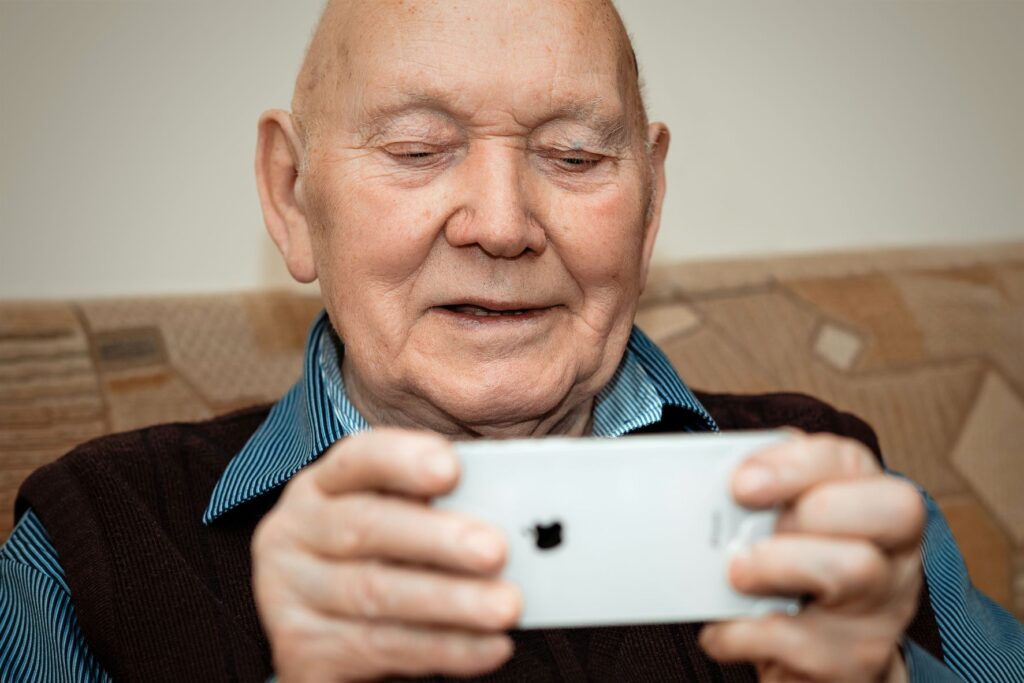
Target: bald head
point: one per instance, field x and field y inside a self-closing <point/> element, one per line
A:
<point x="353" y="31"/>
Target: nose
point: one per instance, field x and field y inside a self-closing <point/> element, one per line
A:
<point x="494" y="211"/>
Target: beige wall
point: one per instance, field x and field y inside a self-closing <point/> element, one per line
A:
<point x="127" y="131"/>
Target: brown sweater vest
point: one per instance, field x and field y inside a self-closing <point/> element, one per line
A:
<point x="161" y="597"/>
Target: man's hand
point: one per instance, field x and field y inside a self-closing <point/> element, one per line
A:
<point x="848" y="537"/>
<point x="355" y="576"/>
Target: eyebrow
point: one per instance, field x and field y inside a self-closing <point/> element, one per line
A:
<point x="611" y="130"/>
<point x="380" y="116"/>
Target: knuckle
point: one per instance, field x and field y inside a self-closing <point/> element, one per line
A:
<point x="910" y="506"/>
<point x="301" y="499"/>
<point x="854" y="459"/>
<point x="370" y="596"/>
<point x="345" y="456"/>
<point x="815" y="506"/>
<point x="813" y="445"/>
<point x="830" y="584"/>
<point x="355" y="516"/>
<point x="382" y="643"/>
<point x="351" y="540"/>
<point x="865" y="568"/>
<point x="377" y="647"/>
<point x="299" y="488"/>
<point x="358" y="507"/>
<point x="268" y="536"/>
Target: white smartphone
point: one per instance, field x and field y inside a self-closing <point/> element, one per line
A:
<point x="618" y="531"/>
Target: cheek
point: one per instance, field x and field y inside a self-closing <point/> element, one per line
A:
<point x="600" y="236"/>
<point x="370" y="243"/>
<point x="370" y="230"/>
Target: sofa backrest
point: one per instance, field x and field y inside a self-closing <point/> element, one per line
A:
<point x="926" y="345"/>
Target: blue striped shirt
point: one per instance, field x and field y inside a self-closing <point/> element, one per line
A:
<point x="40" y="638"/>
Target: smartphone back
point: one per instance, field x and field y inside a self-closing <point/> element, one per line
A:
<point x="618" y="531"/>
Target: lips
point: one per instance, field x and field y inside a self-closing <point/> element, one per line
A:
<point x="470" y="309"/>
<point x="489" y="309"/>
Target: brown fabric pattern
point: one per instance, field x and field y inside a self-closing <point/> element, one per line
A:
<point x="924" y="344"/>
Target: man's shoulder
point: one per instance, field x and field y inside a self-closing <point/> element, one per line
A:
<point x="146" y="454"/>
<point x="786" y="409"/>
<point x="227" y="432"/>
<point x="124" y="516"/>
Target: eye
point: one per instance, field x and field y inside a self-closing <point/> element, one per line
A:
<point x="415" y="154"/>
<point x="576" y="161"/>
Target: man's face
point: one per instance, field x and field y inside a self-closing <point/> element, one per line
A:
<point x="478" y="191"/>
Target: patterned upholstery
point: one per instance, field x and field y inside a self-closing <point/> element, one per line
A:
<point x="926" y="345"/>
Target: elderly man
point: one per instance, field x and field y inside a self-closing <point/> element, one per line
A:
<point x="477" y="190"/>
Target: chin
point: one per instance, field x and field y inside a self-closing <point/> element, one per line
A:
<point x="501" y="397"/>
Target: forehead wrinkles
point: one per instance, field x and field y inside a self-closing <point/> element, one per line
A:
<point x="576" y="46"/>
<point x="524" y="84"/>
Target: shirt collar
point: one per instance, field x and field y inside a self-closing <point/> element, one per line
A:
<point x="316" y="412"/>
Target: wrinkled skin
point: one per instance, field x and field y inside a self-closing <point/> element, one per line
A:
<point x="478" y="154"/>
<point x="442" y="158"/>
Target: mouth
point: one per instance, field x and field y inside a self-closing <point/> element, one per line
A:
<point x="480" y="311"/>
<point x="493" y="311"/>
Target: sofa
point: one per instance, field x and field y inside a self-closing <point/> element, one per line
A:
<point x="927" y="345"/>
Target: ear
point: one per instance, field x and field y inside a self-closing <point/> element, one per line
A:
<point x="657" y="142"/>
<point x="278" y="159"/>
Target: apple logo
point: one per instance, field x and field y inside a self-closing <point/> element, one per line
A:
<point x="547" y="536"/>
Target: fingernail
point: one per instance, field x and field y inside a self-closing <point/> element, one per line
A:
<point x="753" y="478"/>
<point x="441" y="466"/>
<point x="502" y="604"/>
<point x="484" y="545"/>
<point x="740" y="560"/>
<point x="739" y="565"/>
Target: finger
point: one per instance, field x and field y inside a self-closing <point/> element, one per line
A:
<point x="414" y="651"/>
<point x="767" y="638"/>
<point x="883" y="509"/>
<point x="834" y="571"/>
<point x="781" y="472"/>
<point x="310" y="646"/>
<point x="392" y="593"/>
<point x="371" y="525"/>
<point x="814" y="644"/>
<point x="400" y="461"/>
